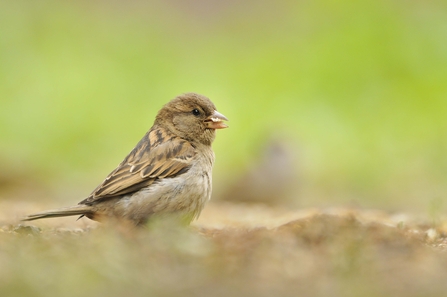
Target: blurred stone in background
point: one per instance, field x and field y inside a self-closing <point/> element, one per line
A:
<point x="270" y="178"/>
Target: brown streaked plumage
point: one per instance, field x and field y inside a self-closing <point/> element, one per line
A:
<point x="168" y="172"/>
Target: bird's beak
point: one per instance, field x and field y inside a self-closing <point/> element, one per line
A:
<point x="215" y="121"/>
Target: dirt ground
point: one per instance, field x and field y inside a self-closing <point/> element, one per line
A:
<point x="232" y="250"/>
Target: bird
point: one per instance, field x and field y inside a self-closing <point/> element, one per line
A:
<point x="169" y="172"/>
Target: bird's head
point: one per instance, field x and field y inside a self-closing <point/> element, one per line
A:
<point x="192" y="117"/>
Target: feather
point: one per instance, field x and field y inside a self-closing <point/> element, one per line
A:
<point x="61" y="212"/>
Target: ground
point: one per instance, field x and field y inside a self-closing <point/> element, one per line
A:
<point x="232" y="250"/>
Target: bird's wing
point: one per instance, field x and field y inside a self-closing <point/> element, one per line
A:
<point x="157" y="155"/>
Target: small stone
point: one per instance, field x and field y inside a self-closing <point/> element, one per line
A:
<point x="432" y="234"/>
<point x="7" y="228"/>
<point x="22" y="229"/>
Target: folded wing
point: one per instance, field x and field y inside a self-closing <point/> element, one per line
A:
<point x="158" y="155"/>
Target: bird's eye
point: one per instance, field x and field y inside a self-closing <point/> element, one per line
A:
<point x="196" y="112"/>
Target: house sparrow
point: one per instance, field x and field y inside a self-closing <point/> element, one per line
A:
<point x="168" y="172"/>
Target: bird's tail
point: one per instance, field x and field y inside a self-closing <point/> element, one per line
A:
<point x="61" y="212"/>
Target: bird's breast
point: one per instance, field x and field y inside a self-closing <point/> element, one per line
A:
<point x="185" y="194"/>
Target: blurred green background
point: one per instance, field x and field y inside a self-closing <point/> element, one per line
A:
<point x="356" y="89"/>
